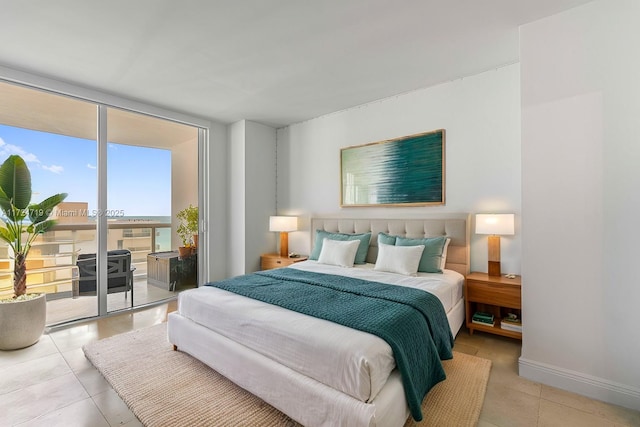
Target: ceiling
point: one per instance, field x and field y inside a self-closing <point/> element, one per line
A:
<point x="276" y="62"/>
<point x="46" y="112"/>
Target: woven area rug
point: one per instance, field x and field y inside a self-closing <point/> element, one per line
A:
<point x="170" y="388"/>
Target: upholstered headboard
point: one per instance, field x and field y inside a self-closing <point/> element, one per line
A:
<point x="455" y="226"/>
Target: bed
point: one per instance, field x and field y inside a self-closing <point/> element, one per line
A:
<point x="318" y="372"/>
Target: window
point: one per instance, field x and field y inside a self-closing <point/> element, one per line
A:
<point x="151" y="170"/>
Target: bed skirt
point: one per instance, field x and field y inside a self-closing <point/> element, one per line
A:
<point x="304" y="399"/>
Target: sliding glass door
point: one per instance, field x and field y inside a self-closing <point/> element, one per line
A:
<point x="152" y="173"/>
<point x="127" y="174"/>
<point x="55" y="135"/>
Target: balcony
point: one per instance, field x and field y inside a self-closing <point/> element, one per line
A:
<point x="52" y="261"/>
<point x="61" y="133"/>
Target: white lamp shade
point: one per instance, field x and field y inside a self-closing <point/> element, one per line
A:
<point x="497" y="224"/>
<point x="283" y="223"/>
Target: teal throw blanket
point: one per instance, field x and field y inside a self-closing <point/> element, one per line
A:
<point x="411" y="321"/>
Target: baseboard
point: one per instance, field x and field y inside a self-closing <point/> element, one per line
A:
<point x="580" y="383"/>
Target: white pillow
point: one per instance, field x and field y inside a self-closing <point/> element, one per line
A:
<point x="399" y="259"/>
<point x="338" y="252"/>
<point x="444" y="253"/>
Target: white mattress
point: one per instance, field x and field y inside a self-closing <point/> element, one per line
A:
<point x="351" y="361"/>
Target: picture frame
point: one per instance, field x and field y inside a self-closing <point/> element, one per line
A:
<point x="404" y="171"/>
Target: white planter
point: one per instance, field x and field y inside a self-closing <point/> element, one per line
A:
<point x="22" y="322"/>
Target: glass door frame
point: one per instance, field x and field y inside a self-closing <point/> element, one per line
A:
<point x="102" y="227"/>
<point x="103" y="101"/>
<point x="101" y="220"/>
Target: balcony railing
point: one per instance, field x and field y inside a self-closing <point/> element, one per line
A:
<point x="52" y="258"/>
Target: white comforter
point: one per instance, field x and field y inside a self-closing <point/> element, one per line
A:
<point x="354" y="362"/>
<point x="446" y="286"/>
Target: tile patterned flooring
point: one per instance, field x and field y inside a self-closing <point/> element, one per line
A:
<point x="69" y="309"/>
<point x="52" y="384"/>
<point x="513" y="401"/>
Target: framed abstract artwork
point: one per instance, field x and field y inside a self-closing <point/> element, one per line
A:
<point x="405" y="171"/>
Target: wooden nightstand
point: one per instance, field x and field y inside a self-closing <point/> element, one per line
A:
<point x="492" y="294"/>
<point x="269" y="261"/>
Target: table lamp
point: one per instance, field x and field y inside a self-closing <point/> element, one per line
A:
<point x="495" y="225"/>
<point x="283" y="224"/>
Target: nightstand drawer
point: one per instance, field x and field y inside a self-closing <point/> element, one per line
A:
<point x="269" y="261"/>
<point x="494" y="293"/>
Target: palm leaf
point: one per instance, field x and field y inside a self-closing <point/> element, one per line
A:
<point x="15" y="199"/>
<point x="7" y="236"/>
<point x="15" y="181"/>
<point x="40" y="211"/>
<point x="10" y="211"/>
<point x="5" y="204"/>
<point x="41" y="227"/>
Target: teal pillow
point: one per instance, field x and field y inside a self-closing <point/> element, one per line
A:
<point x="432" y="254"/>
<point x="386" y="239"/>
<point x="363" y="247"/>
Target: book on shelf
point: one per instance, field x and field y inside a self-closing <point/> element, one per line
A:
<point x="510" y="326"/>
<point x="512" y="318"/>
<point x="483" y="317"/>
<point x="482" y="322"/>
<point x="481" y="314"/>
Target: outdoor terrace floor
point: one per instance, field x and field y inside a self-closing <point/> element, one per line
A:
<point x="84" y="307"/>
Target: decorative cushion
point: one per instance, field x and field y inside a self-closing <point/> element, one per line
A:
<point x="337" y="252"/>
<point x="431" y="259"/>
<point x="361" y="254"/>
<point x="386" y="239"/>
<point x="399" y="259"/>
<point x="444" y="253"/>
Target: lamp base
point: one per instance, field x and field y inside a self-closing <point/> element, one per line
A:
<point x="284" y="244"/>
<point x="494" y="255"/>
<point x="494" y="268"/>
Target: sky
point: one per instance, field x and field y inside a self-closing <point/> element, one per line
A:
<point x="138" y="178"/>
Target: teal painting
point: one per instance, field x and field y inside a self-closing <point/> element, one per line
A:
<point x="405" y="171"/>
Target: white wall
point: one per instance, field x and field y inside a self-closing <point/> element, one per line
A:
<point x="215" y="200"/>
<point x="580" y="156"/>
<point x="236" y="204"/>
<point x="481" y="116"/>
<point x="252" y="194"/>
<point x="260" y="192"/>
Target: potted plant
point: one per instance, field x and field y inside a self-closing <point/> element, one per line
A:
<point x="188" y="229"/>
<point x="23" y="316"/>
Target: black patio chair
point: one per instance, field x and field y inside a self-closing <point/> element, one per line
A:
<point x="119" y="273"/>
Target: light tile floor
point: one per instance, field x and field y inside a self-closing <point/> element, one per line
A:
<point x="513" y="401"/>
<point x="69" y="309"/>
<point x="52" y="384"/>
